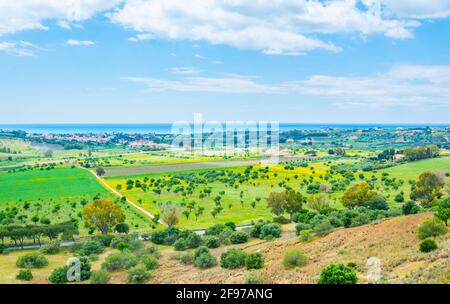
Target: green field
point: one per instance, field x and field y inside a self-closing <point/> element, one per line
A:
<point x="63" y="183"/>
<point x="413" y="170"/>
<point x="245" y="213"/>
<point x="57" y="194"/>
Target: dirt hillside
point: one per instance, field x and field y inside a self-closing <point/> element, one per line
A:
<point x="392" y="241"/>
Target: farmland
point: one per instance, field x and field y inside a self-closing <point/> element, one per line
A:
<point x="56" y="194"/>
<point x="203" y="191"/>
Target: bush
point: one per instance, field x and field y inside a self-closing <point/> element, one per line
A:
<point x="306" y="235"/>
<point x="431" y="228"/>
<point x="150" y="263"/>
<point x="100" y="277"/>
<point x="85" y="267"/>
<point x="377" y="203"/>
<point x="51" y="248"/>
<point x="180" y="245"/>
<point x="32" y="260"/>
<point x="323" y="228"/>
<point x="233" y="258"/>
<point x="359" y="220"/>
<point x="231" y="225"/>
<point x="212" y="242"/>
<point x="302" y="226"/>
<point x="104" y="240"/>
<point x="239" y="237"/>
<point x="254" y="261"/>
<point x="410" y="208"/>
<point x="428" y="245"/>
<point x="254" y="277"/>
<point x="138" y="275"/>
<point x="24" y="275"/>
<point x="205" y="260"/>
<point x="337" y="274"/>
<point x="122" y="246"/>
<point x="88" y="248"/>
<point x="187" y="258"/>
<point x="270" y="231"/>
<point x="281" y="220"/>
<point x="119" y="261"/>
<point x="194" y="240"/>
<point x="294" y="258"/>
<point x="59" y="275"/>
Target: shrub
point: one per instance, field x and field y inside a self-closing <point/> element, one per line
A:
<point x="294" y="258"/>
<point x="254" y="277"/>
<point x="302" y="226"/>
<point x="138" y="275"/>
<point x="194" y="240"/>
<point x="377" y="203"/>
<point x="337" y="274"/>
<point x="231" y="225"/>
<point x="254" y="261"/>
<point x="59" y="275"/>
<point x="32" y="260"/>
<point x="323" y="228"/>
<point x="205" y="260"/>
<point x="180" y="245"/>
<point x="431" y="228"/>
<point x="239" y="237"/>
<point x="233" y="258"/>
<point x="119" y="261"/>
<point x="281" y="220"/>
<point x="187" y="258"/>
<point x="122" y="246"/>
<point x="200" y="250"/>
<point x="150" y="263"/>
<point x="88" y="248"/>
<point x="306" y="235"/>
<point x="24" y="275"/>
<point x="359" y="220"/>
<point x="100" y="277"/>
<point x="212" y="242"/>
<point x="105" y="240"/>
<point x="428" y="245"/>
<point x="410" y="208"/>
<point x="85" y="267"/>
<point x="51" y="248"/>
<point x="270" y="231"/>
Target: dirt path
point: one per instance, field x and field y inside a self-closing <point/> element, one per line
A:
<point x="117" y="193"/>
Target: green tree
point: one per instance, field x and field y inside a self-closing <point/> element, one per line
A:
<point x="443" y="212"/>
<point x="428" y="187"/>
<point x="102" y="215"/>
<point x="318" y="202"/>
<point x="357" y="195"/>
<point x="431" y="228"/>
<point x="337" y="274"/>
<point x="170" y="214"/>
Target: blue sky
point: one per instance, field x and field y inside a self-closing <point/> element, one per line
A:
<point x="147" y="61"/>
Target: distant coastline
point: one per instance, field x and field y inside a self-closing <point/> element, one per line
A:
<point x="164" y="128"/>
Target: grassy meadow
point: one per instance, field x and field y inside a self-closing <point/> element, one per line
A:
<point x="57" y="195"/>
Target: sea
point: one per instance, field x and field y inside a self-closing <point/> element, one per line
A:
<point x="165" y="128"/>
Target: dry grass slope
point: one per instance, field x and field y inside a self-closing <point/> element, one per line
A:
<point x="393" y="241"/>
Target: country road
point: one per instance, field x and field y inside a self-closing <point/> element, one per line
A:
<point x="117" y="193"/>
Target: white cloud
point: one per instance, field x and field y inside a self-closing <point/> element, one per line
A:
<point x="185" y="70"/>
<point x="17" y="16"/>
<point x="204" y="84"/>
<point x="20" y="48"/>
<point x="403" y="85"/>
<point x="418" y="9"/>
<point x="274" y="27"/>
<point x="73" y="42"/>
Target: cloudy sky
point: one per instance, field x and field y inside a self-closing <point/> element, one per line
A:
<point x="146" y="61"/>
